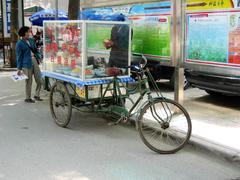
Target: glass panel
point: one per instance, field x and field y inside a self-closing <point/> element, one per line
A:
<point x="63" y="47"/>
<point x="107" y="50"/>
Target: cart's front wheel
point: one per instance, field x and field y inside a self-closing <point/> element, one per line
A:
<point x="60" y="104"/>
<point x="164" y="126"/>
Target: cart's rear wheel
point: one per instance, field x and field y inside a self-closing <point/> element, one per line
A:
<point x="60" y="104"/>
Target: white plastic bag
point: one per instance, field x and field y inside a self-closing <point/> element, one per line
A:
<point x="16" y="77"/>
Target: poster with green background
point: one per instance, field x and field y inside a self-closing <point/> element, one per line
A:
<point x="151" y="36"/>
<point x="96" y="34"/>
<point x="151" y="24"/>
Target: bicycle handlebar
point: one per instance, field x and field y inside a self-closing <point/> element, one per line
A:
<point x="145" y="60"/>
<point x="142" y="63"/>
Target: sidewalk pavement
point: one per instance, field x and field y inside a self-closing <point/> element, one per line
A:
<point x="7" y="69"/>
<point x="215" y="123"/>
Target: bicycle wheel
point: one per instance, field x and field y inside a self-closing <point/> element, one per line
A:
<point x="60" y="104"/>
<point x="164" y="126"/>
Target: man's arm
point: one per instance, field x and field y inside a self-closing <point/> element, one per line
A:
<point x="114" y="34"/>
<point x="19" y="57"/>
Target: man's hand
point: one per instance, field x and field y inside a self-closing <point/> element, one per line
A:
<point x="19" y="72"/>
<point x="108" y="43"/>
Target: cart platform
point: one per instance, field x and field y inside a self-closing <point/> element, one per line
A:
<point x="79" y="83"/>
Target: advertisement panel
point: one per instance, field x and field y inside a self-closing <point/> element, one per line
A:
<point x="214" y="38"/>
<point x="96" y="36"/>
<point x="6" y="17"/>
<point x="152" y="36"/>
<point x="212" y="4"/>
<point x="151" y="29"/>
<point x="234" y="39"/>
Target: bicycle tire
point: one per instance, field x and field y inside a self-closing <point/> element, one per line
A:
<point x="177" y="133"/>
<point x="60" y="104"/>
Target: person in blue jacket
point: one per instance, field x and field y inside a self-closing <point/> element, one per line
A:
<point x="27" y="63"/>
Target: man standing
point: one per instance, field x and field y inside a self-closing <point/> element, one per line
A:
<point x="119" y="44"/>
<point x="27" y="63"/>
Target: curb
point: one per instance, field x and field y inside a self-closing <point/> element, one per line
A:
<point x="7" y="69"/>
<point x="221" y="151"/>
<point x="224" y="152"/>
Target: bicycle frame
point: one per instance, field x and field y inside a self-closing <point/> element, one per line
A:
<point x="142" y="81"/>
<point x="142" y="87"/>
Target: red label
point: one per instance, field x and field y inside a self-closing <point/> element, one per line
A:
<point x="59" y="60"/>
<point x="66" y="61"/>
<point x="48" y="47"/>
<point x="52" y="59"/>
<point x="71" y="49"/>
<point x="73" y="63"/>
<point x="64" y="47"/>
<point x="88" y="71"/>
<point x="162" y="20"/>
<point x="54" y="46"/>
<point x="77" y="53"/>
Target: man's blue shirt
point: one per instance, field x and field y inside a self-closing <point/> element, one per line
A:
<point x="23" y="54"/>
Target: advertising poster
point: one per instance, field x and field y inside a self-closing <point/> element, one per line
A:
<point x="152" y="36"/>
<point x="207" y="37"/>
<point x="214" y="38"/>
<point x="234" y="39"/>
<point x="8" y="15"/>
<point x="96" y="34"/>
<point x="151" y="29"/>
<point x="6" y="7"/>
<point x="212" y="4"/>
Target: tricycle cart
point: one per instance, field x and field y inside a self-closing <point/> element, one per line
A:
<point x="78" y="60"/>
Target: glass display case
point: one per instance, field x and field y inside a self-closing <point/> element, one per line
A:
<point x="87" y="50"/>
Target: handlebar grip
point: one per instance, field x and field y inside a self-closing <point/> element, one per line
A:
<point x="145" y="60"/>
<point x="127" y="67"/>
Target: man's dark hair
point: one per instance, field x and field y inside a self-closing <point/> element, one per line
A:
<point x="23" y="30"/>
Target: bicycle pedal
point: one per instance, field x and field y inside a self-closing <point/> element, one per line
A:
<point x="115" y="123"/>
<point x="125" y="120"/>
<point x="111" y="124"/>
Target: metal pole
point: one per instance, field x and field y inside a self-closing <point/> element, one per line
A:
<point x="2" y="25"/>
<point x="56" y="7"/>
<point x="20" y="13"/>
<point x="178" y="10"/>
<point x="23" y="21"/>
<point x="4" y="61"/>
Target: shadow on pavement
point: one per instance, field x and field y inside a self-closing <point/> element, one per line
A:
<point x="223" y="101"/>
<point x="164" y="87"/>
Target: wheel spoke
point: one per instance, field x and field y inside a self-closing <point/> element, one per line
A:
<point x="165" y="126"/>
<point x="60" y="104"/>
